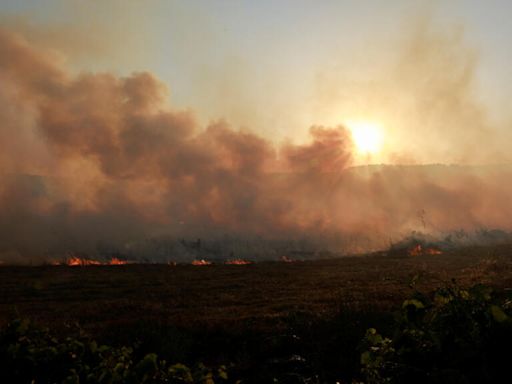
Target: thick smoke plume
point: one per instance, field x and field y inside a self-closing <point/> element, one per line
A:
<point x="99" y="163"/>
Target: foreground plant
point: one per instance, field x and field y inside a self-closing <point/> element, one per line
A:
<point x="30" y="354"/>
<point x="458" y="336"/>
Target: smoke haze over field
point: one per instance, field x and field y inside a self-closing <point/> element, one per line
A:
<point x="90" y="159"/>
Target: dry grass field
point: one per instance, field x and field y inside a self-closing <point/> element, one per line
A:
<point x="219" y="294"/>
<point x="243" y="314"/>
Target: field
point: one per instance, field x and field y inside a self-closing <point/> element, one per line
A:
<point x="246" y="315"/>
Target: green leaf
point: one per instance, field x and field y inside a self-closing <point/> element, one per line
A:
<point x="221" y="372"/>
<point x="498" y="314"/>
<point x="365" y="357"/>
<point x="181" y="372"/>
<point x="413" y="302"/>
<point x="148" y="365"/>
<point x="373" y="337"/>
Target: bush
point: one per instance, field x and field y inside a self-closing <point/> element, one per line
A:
<point x="458" y="336"/>
<point x="29" y="354"/>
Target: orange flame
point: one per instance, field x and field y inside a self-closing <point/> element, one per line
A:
<point x="238" y="262"/>
<point x="416" y="250"/>
<point x="201" y="262"/>
<point x="419" y="250"/>
<point x="75" y="261"/>
<point x="116" y="261"/>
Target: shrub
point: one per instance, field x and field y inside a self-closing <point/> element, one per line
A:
<point x="458" y="336"/>
<point x="30" y="354"/>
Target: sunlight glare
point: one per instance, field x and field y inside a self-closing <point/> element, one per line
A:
<point x="367" y="136"/>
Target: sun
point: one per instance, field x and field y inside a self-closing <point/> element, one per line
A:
<point x="367" y="136"/>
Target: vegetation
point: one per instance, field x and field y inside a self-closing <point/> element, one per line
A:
<point x="307" y="322"/>
<point x="458" y="336"/>
<point x="29" y="354"/>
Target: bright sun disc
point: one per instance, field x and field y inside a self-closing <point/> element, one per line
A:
<point x="367" y="136"/>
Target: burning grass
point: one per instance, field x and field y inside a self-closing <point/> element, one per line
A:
<point x="267" y="289"/>
<point x="75" y="261"/>
<point x="418" y="249"/>
<point x="286" y="259"/>
<point x="238" y="262"/>
<point x="201" y="262"/>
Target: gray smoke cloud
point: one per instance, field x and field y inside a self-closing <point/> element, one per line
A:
<point x="94" y="161"/>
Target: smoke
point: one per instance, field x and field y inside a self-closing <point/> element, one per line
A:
<point x="425" y="88"/>
<point x="95" y="161"/>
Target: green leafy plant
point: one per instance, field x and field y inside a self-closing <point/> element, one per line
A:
<point x="30" y="354"/>
<point x="457" y="336"/>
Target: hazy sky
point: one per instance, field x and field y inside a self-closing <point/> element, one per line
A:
<point x="278" y="67"/>
<point x="270" y="104"/>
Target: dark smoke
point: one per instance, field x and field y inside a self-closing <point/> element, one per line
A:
<point x="97" y="163"/>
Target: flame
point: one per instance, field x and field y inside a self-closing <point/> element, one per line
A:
<point x="201" y="262"/>
<point x="116" y="261"/>
<point x="286" y="259"/>
<point x="418" y="250"/>
<point x="433" y="251"/>
<point x="415" y="251"/>
<point x="75" y="261"/>
<point x="238" y="262"/>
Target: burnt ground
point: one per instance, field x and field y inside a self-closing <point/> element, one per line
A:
<point x="236" y="312"/>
